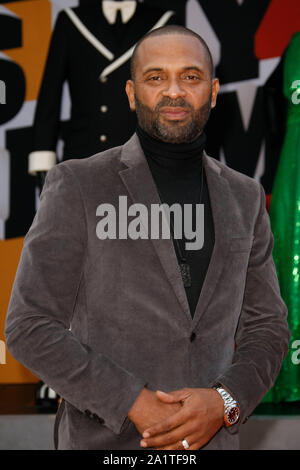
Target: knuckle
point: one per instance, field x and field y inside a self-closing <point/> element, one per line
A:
<point x="169" y="427"/>
<point x="169" y="440"/>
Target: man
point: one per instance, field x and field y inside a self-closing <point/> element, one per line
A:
<point x="132" y="331"/>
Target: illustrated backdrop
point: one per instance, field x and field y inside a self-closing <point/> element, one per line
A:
<point x="247" y="39"/>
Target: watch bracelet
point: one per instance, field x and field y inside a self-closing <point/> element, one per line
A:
<point x="228" y="400"/>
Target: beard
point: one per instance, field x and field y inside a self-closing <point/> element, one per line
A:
<point x="173" y="131"/>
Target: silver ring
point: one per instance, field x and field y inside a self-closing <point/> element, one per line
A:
<point x="185" y="444"/>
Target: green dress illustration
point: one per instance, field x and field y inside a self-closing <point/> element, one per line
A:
<point x="285" y="223"/>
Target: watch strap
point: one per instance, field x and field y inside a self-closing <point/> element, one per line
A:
<point x="231" y="407"/>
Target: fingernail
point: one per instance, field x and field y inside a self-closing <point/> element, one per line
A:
<point x="146" y="434"/>
<point x="143" y="444"/>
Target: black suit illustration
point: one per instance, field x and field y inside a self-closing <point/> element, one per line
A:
<point x="93" y="56"/>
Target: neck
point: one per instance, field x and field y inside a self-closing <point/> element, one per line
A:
<point x="185" y="159"/>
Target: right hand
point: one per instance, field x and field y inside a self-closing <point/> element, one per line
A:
<point x="148" y="410"/>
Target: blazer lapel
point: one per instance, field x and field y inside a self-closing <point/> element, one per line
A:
<point x="142" y="189"/>
<point x="221" y="206"/>
<point x="139" y="182"/>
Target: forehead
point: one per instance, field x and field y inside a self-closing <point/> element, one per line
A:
<point x="170" y="50"/>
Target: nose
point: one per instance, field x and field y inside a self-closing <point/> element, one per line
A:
<point x="173" y="89"/>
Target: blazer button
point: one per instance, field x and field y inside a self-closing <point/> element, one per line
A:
<point x="192" y="337"/>
<point x="97" y="418"/>
<point x="103" y="108"/>
<point x="103" y="138"/>
<point x="88" y="413"/>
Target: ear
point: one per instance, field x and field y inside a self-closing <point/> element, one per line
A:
<point x="130" y="94"/>
<point x="214" y="91"/>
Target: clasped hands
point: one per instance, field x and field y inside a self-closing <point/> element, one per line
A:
<point x="165" y="419"/>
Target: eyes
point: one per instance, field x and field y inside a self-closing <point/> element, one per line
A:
<point x="161" y="78"/>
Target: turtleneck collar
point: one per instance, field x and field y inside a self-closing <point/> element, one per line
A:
<point x="184" y="159"/>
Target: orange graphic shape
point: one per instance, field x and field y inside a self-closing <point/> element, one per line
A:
<point x="36" y="33"/>
<point x="10" y="251"/>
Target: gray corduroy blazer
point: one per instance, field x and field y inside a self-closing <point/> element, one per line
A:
<point x="97" y="320"/>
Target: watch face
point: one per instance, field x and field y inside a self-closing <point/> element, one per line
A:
<point x="233" y="415"/>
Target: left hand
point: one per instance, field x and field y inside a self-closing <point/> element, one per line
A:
<point x="197" y="421"/>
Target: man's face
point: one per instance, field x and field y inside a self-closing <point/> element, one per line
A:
<point x="172" y="92"/>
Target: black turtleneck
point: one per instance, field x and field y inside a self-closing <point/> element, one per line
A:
<point x="177" y="171"/>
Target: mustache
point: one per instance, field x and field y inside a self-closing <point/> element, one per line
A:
<point x="166" y="101"/>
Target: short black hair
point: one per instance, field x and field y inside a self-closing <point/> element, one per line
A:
<point x="169" y="30"/>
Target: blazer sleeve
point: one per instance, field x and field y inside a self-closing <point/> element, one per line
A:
<point x="47" y="112"/>
<point x="262" y="337"/>
<point x="40" y="310"/>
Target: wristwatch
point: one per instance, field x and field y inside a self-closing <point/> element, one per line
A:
<point x="231" y="407"/>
